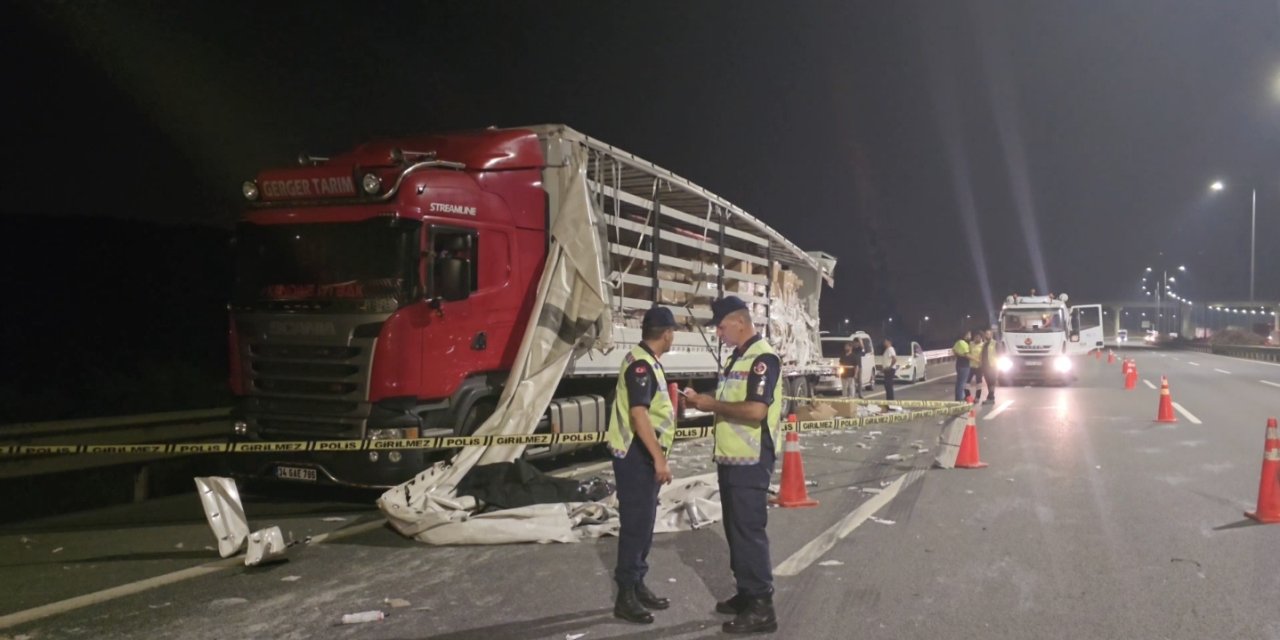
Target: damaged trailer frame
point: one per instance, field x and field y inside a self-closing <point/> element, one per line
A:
<point x="486" y="212"/>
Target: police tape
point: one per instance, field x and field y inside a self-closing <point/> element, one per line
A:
<point x="441" y="442"/>
<point x="870" y="402"/>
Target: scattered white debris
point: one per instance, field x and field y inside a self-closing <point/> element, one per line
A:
<point x="395" y="603"/>
<point x="58" y="550"/>
<point x="893" y="456"/>
<point x="1098" y="467"/>
<point x="159" y="606"/>
<point x="871" y="490"/>
<point x="227" y="602"/>
<point x="24" y="540"/>
<point x="810" y="483"/>
<point x="830" y="563"/>
<point x="363" y="616"/>
<point x="885" y="483"/>
<point x="209" y="548"/>
<point x="875" y="433"/>
<point x="697" y="560"/>
<point x="178" y="546"/>
<point x="573" y="636"/>
<point x="861" y="445"/>
<point x="671" y="579"/>
<point x="333" y="519"/>
<point x="1010" y="479"/>
<point x="969" y="491"/>
<point x="290" y="578"/>
<point x="837" y="449"/>
<point x="882" y="520"/>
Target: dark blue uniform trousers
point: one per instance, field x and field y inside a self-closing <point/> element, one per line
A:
<point x="744" y="495"/>
<point x="637" y="509"/>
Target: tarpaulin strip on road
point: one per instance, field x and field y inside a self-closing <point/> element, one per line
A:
<point x="457" y="442"/>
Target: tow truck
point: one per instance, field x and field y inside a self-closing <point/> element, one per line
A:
<point x="1040" y="337"/>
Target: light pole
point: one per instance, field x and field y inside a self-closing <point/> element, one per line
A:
<point x="920" y="325"/>
<point x="1219" y="185"/>
<point x="1161" y="292"/>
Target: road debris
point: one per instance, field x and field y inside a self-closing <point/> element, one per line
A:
<point x="266" y="545"/>
<point x="671" y="579"/>
<point x="363" y="616"/>
<point x="178" y="546"/>
<point x="882" y="520"/>
<point x="227" y="602"/>
<point x="573" y="636"/>
<point x="893" y="456"/>
<point x="333" y="519"/>
<point x="870" y="490"/>
<point x="861" y="445"/>
<point x="395" y="603"/>
<point x="159" y="606"/>
<point x="58" y="550"/>
<point x="830" y="563"/>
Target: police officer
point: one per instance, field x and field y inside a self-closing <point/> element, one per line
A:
<point x="641" y="430"/>
<point x="748" y="408"/>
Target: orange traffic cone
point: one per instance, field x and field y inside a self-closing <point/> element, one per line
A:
<point x="1124" y="365"/>
<point x="968" y="456"/>
<point x="1268" y="511"/>
<point x="1131" y="376"/>
<point x="1111" y="357"/>
<point x="1164" y="413"/>
<point x="793" y="492"/>
<point x="1097" y="355"/>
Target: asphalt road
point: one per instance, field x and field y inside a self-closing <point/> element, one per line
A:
<point x="1092" y="521"/>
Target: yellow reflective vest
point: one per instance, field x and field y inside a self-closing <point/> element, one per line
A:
<point x="738" y="443"/>
<point x="662" y="414"/>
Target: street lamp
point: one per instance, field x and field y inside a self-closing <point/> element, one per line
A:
<point x="1218" y="186"/>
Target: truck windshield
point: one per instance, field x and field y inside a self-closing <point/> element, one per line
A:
<point x="1047" y="320"/>
<point x="358" y="266"/>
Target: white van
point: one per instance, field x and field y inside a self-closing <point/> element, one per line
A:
<point x="1122" y="335"/>
<point x="833" y="347"/>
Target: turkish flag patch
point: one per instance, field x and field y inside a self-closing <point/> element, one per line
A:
<point x="641" y="369"/>
<point x="759" y="369"/>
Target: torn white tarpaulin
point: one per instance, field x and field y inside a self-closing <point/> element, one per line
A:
<point x="221" y="501"/>
<point x="571" y="315"/>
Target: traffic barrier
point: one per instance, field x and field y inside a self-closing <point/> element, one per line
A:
<point x="1111" y="356"/>
<point x="1131" y="376"/>
<point x="1164" y="413"/>
<point x="1268" y="511"/>
<point x="1097" y="355"/>
<point x="793" y="493"/>
<point x="968" y="457"/>
<point x="923" y="409"/>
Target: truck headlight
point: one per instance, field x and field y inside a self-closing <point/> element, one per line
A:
<point x="1062" y="364"/>
<point x="1004" y="364"/>
<point x="371" y="184"/>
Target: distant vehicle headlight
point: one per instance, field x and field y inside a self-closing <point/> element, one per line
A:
<point x="1004" y="364"/>
<point x="1062" y="364"/>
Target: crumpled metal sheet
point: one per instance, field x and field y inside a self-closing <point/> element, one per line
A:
<point x="222" y="508"/>
<point x="265" y="546"/>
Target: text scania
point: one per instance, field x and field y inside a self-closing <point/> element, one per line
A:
<point x="441" y="207"/>
<point x="303" y="187"/>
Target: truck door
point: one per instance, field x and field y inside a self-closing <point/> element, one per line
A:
<point x="1086" y="329"/>
<point x="457" y="341"/>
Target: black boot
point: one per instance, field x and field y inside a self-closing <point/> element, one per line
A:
<point x="757" y="617"/>
<point x="628" y="607"/>
<point x="649" y="599"/>
<point x="733" y="606"/>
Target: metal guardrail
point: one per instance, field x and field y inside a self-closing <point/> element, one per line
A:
<point x="939" y="355"/>
<point x="1265" y="354"/>
<point x="176" y="426"/>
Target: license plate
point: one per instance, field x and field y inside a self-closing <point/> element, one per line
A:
<point x="1034" y="363"/>
<point x="305" y="474"/>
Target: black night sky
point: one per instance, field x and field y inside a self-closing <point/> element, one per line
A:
<point x="942" y="150"/>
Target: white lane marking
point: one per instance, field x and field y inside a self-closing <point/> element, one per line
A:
<point x="1274" y="384"/>
<point x="98" y="597"/>
<point x="998" y="410"/>
<point x="1187" y="414"/>
<point x="1223" y="371"/>
<point x="810" y="552"/>
<point x="1148" y="383"/>
<point x="1194" y="364"/>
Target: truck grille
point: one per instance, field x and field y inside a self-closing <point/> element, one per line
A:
<point x="300" y="388"/>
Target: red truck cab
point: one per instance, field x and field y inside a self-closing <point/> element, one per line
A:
<point x="382" y="293"/>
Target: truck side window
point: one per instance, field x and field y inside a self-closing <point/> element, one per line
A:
<point x="454" y="263"/>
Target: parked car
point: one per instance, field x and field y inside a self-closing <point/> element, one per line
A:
<point x="911" y="364"/>
<point x="833" y="347"/>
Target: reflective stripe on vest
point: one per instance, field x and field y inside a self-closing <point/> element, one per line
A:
<point x="738" y="443"/>
<point x="661" y="414"/>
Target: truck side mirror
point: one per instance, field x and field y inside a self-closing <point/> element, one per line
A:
<point x="453" y="279"/>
